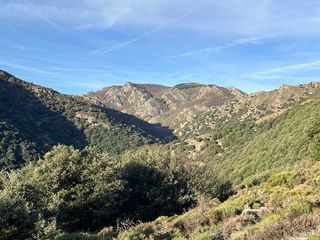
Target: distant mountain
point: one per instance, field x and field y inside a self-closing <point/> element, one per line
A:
<point x="258" y="107"/>
<point x="192" y="109"/>
<point x="34" y="118"/>
<point x="161" y="104"/>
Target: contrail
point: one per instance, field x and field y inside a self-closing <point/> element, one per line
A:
<point x="123" y="44"/>
<point x="100" y="51"/>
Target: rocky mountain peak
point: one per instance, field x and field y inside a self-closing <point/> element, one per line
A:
<point x="128" y="86"/>
<point x="284" y="87"/>
<point x="193" y="107"/>
<point x="237" y="92"/>
<point x="161" y="104"/>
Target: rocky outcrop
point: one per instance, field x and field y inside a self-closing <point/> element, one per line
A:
<point x="170" y="106"/>
<point x="193" y="109"/>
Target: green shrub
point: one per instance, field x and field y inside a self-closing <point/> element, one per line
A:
<point x="298" y="208"/>
<point x="77" y="236"/>
<point x="141" y="232"/>
<point x="177" y="235"/>
<point x="203" y="236"/>
<point x="256" y="205"/>
<point x="280" y="179"/>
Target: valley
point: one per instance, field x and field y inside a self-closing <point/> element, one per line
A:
<point x="144" y="161"/>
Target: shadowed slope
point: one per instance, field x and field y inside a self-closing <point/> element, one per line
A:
<point x="34" y="118"/>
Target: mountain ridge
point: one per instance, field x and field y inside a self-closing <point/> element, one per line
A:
<point x="33" y="119"/>
<point x="194" y="108"/>
<point x="158" y="104"/>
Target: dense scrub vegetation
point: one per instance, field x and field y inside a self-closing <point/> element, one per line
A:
<point x="71" y="190"/>
<point x="285" y="205"/>
<point x="251" y="151"/>
<point x="39" y="118"/>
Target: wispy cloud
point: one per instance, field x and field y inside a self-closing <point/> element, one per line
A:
<point x="291" y="68"/>
<point x="254" y="17"/>
<point x="78" y="69"/>
<point x="286" y="74"/>
<point x="88" y="14"/>
<point x="27" y="68"/>
<point x="232" y="44"/>
<point x="58" y="14"/>
<point x="55" y="79"/>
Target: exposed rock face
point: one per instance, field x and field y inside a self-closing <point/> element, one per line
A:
<point x="193" y="109"/>
<point x="139" y="100"/>
<point x="159" y="104"/>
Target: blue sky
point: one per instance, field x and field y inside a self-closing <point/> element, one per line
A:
<point x="77" y="46"/>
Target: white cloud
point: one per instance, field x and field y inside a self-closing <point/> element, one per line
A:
<point x="244" y="17"/>
<point x="79" y="14"/>
<point x="85" y="13"/>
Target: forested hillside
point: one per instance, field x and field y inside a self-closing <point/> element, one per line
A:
<point x="33" y="119"/>
<point x="253" y="150"/>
